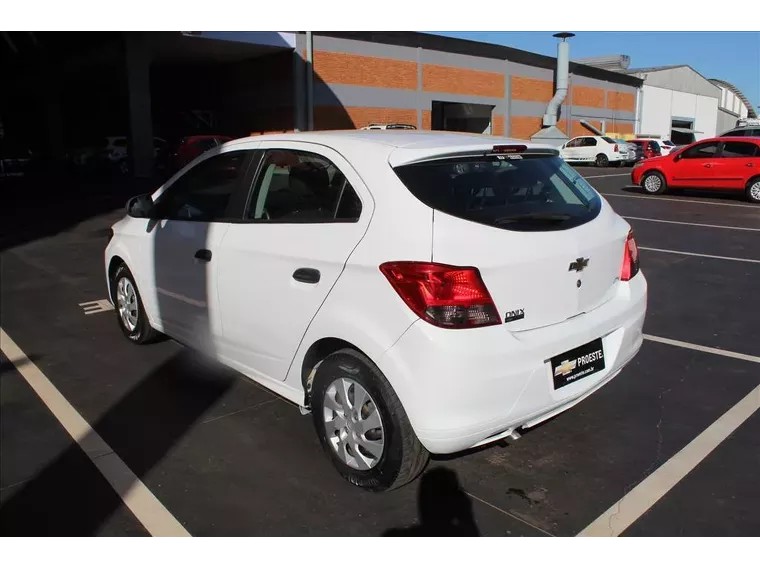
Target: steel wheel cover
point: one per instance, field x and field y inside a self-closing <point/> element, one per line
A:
<point x="126" y="303"/>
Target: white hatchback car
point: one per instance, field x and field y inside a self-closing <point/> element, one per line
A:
<point x="598" y="150"/>
<point x="418" y="292"/>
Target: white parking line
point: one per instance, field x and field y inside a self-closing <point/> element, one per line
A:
<point x="607" y="176"/>
<point x="638" y="501"/>
<point x="695" y="347"/>
<point x="754" y="230"/>
<point x="156" y="519"/>
<point x="681" y="200"/>
<point x="701" y="255"/>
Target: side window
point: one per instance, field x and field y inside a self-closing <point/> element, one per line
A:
<point x="296" y="186"/>
<point x="574" y="143"/>
<point x="739" y="150"/>
<point x="701" y="151"/>
<point x="589" y="141"/>
<point x="204" y="192"/>
<point x="655" y="146"/>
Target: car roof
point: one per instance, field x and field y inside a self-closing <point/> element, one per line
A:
<point x="398" y="146"/>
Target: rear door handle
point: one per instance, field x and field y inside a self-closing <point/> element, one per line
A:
<point x="307" y="275"/>
<point x="203" y="254"/>
<point x="750" y="165"/>
<point x="708" y="165"/>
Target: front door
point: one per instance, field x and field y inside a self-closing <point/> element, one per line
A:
<point x="697" y="167"/>
<point x="307" y="211"/>
<point x="570" y="151"/>
<point x="190" y="219"/>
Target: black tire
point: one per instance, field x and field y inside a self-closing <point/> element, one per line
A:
<point x="602" y="161"/>
<point x="143" y="332"/>
<point x="656" y="189"/>
<point x="753" y="193"/>
<point x="403" y="457"/>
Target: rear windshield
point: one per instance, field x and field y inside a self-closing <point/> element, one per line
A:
<point x="521" y="193"/>
<point x="609" y="140"/>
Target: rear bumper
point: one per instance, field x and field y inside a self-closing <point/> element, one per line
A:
<point x="463" y="388"/>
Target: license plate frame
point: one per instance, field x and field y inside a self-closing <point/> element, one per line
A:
<point x="577" y="363"/>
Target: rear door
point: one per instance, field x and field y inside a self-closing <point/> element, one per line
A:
<point x="697" y="167"/>
<point x="739" y="161"/>
<point x="307" y="211"/>
<point x="545" y="243"/>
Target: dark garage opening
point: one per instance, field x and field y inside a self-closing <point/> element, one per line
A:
<point x="682" y="132"/>
<point x="461" y="117"/>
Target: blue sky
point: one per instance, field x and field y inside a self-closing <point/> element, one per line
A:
<point x="731" y="56"/>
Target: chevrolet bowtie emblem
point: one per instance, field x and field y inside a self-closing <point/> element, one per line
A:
<point x="578" y="264"/>
<point x="566" y="367"/>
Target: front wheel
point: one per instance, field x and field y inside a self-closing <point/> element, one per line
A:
<point x="753" y="190"/>
<point x="602" y="161"/>
<point x="653" y="183"/>
<point x="130" y="312"/>
<point x="362" y="425"/>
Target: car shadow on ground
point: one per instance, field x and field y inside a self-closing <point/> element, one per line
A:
<point x="68" y="497"/>
<point x="444" y="509"/>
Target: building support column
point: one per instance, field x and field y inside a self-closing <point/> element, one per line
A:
<point x="419" y="88"/>
<point x="299" y="83"/>
<point x="141" y="147"/>
<point x="50" y="89"/>
<point x="507" y="99"/>
<point x="309" y="81"/>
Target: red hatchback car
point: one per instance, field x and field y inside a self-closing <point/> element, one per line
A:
<point x="193" y="146"/>
<point x="731" y="163"/>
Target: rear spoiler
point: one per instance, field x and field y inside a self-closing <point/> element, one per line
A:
<point x="499" y="150"/>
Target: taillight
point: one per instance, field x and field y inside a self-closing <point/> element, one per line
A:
<point x="616" y="147"/>
<point x="630" y="259"/>
<point x="443" y="295"/>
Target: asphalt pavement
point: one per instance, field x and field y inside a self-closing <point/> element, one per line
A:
<point x="224" y="456"/>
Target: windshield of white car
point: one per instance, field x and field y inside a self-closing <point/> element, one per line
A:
<point x="519" y="193"/>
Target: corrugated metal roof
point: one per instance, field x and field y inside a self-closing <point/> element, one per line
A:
<point x="750" y="110"/>
<point x="660" y="68"/>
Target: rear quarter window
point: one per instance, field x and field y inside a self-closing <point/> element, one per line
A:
<point x="531" y="193"/>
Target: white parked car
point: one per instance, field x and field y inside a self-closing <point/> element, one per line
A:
<point x="389" y="126"/>
<point x="599" y="150"/>
<point x="418" y="292"/>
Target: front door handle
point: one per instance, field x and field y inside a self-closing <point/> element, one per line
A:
<point x="708" y="165"/>
<point x="307" y="275"/>
<point x="750" y="165"/>
<point x="203" y="254"/>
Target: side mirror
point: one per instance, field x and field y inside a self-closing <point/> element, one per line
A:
<point x="140" y="206"/>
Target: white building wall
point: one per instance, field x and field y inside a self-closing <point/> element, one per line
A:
<point x="655" y="111"/>
<point x="660" y="106"/>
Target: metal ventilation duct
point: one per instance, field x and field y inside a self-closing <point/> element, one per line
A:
<point x="563" y="64"/>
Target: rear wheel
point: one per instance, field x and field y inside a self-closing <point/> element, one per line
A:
<point x="362" y="425"/>
<point x="653" y="183"/>
<point x="753" y="190"/>
<point x="602" y="161"/>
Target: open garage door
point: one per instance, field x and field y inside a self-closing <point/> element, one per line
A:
<point x="461" y="117"/>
